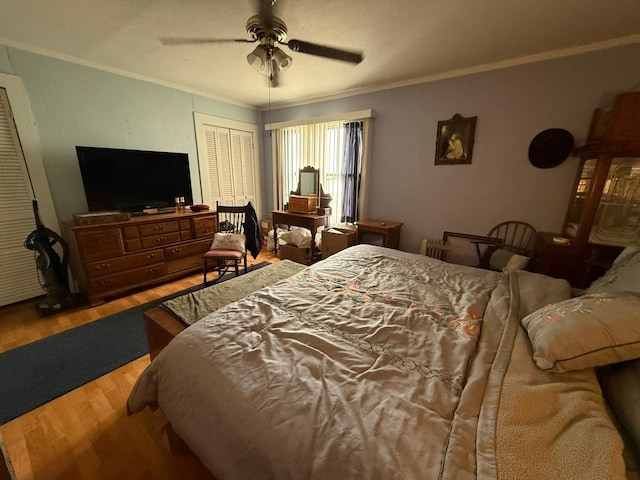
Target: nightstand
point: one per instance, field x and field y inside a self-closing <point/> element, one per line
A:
<point x="579" y="266"/>
<point x="379" y="232"/>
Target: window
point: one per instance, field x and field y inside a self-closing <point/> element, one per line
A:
<point x="323" y="146"/>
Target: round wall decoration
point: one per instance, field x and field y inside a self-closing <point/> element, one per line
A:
<point x="550" y="147"/>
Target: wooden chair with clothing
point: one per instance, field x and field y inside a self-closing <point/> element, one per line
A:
<point x="229" y="247"/>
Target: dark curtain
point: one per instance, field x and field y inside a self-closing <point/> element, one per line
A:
<point x="351" y="170"/>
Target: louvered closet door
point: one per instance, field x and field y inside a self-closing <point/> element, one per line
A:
<point x="228" y="161"/>
<point x="243" y="161"/>
<point x="231" y="177"/>
<point x="217" y="182"/>
<point x="18" y="274"/>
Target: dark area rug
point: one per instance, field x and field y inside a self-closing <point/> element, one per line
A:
<point x="39" y="372"/>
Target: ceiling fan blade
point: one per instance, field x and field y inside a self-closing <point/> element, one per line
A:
<point x="199" y="41"/>
<point x="323" y="51"/>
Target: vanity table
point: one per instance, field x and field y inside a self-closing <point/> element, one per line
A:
<point x="310" y="221"/>
<point x="303" y="203"/>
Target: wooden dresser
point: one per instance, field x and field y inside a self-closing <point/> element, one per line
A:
<point x="111" y="258"/>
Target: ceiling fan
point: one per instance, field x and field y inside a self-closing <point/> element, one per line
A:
<point x="270" y="31"/>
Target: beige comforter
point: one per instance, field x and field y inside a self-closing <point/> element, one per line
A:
<point x="379" y="364"/>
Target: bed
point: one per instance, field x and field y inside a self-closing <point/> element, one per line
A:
<point x="381" y="364"/>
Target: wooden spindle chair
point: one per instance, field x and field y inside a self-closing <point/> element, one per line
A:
<point x="230" y="219"/>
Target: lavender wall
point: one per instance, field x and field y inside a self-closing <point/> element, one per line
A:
<point x="512" y="106"/>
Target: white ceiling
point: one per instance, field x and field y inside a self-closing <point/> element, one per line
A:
<point x="403" y="41"/>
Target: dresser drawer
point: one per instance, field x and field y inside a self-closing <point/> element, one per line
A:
<point x="127" y="279"/>
<point x="97" y="244"/>
<point x="154" y="229"/>
<point x="159" y="240"/>
<point x="185" y="230"/>
<point x="205" y="227"/>
<point x="185" y="264"/>
<point x="130" y="232"/>
<point x="185" y="257"/>
<point x="180" y="251"/>
<point x="119" y="264"/>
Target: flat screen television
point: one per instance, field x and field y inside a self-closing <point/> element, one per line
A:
<point x="133" y="180"/>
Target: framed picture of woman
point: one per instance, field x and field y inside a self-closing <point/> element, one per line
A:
<point x="454" y="141"/>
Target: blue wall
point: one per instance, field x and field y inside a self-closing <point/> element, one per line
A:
<point x="77" y="105"/>
<point x="512" y="105"/>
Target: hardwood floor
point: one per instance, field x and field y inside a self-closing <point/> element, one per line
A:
<point x="87" y="434"/>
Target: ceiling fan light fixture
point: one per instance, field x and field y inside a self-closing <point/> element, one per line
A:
<point x="281" y="59"/>
<point x="268" y="68"/>
<point x="258" y="58"/>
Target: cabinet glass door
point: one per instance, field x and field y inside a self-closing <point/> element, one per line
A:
<point x="581" y="196"/>
<point x="617" y="219"/>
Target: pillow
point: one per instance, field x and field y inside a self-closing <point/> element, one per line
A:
<point x="517" y="262"/>
<point x="587" y="331"/>
<point x="228" y="241"/>
<point x="501" y="259"/>
<point x="624" y="274"/>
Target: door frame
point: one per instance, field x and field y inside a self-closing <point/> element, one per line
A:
<point x="28" y="135"/>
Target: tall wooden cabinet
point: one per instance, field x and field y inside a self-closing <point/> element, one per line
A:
<point x="605" y="206"/>
<point x="604" y="211"/>
<point x="112" y="258"/>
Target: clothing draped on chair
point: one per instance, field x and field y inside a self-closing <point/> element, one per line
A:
<point x="252" y="231"/>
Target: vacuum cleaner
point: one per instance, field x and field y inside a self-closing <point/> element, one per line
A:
<point x="54" y="276"/>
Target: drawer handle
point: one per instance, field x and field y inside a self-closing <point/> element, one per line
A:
<point x="150" y="256"/>
<point x="102" y="266"/>
<point x="153" y="270"/>
<point x="105" y="282"/>
<point x="159" y="227"/>
<point x="176" y="250"/>
<point x="161" y="239"/>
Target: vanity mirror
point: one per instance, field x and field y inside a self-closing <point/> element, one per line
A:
<point x="309" y="182"/>
<point x="306" y="197"/>
<point x="310" y="189"/>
